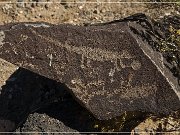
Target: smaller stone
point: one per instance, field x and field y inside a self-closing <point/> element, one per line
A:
<point x="80" y="7"/>
<point x="66" y="4"/>
<point x="33" y="5"/>
<point x="103" y="10"/>
<point x="20" y="11"/>
<point x="95" y="12"/>
<point x="167" y="14"/>
<point x="20" y="3"/>
<point x="41" y="3"/>
<point x="46" y="6"/>
<point x="43" y="123"/>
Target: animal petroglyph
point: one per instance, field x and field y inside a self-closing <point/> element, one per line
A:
<point x="96" y="54"/>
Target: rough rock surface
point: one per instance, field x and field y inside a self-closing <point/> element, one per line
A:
<point x="108" y="68"/>
<point x="47" y="125"/>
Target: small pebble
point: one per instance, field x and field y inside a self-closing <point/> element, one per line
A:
<point x="20" y="11"/>
<point x="80" y="7"/>
<point x="95" y="11"/>
<point x="20" y="3"/>
<point x="46" y="6"/>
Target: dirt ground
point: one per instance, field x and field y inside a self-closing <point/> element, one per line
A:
<point x="79" y="12"/>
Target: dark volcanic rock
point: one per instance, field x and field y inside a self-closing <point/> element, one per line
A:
<point x="43" y="123"/>
<point x="108" y="68"/>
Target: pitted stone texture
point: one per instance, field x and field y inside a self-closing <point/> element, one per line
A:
<point x="44" y="123"/>
<point x="107" y="68"/>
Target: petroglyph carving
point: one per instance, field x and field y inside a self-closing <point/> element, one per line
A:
<point x="136" y="92"/>
<point x="50" y="56"/>
<point x="23" y="37"/>
<point x="96" y="54"/>
<point x="111" y="74"/>
<point x="2" y="37"/>
<point x="136" y="65"/>
<point x="130" y="78"/>
<point x="36" y="25"/>
<point x="80" y="87"/>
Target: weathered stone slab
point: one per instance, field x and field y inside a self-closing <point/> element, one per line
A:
<point x="108" y="68"/>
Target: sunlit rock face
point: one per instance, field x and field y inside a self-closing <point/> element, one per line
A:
<point x="108" y="68"/>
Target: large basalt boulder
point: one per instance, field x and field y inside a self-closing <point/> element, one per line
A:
<point x="108" y="68"/>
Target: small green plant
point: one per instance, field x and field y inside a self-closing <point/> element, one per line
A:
<point x="119" y="123"/>
<point x="170" y="47"/>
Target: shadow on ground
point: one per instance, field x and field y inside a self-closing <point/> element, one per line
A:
<point x="26" y="92"/>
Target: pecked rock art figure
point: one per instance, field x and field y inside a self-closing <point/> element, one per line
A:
<point x="108" y="68"/>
